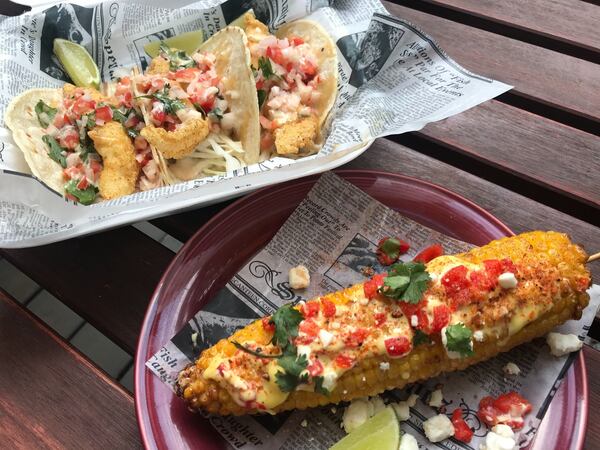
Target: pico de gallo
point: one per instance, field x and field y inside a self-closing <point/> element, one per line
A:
<point x="508" y="409"/>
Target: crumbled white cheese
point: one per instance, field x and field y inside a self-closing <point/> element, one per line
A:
<point x="402" y="410"/>
<point x="326" y="337"/>
<point x="414" y="321"/>
<point x="194" y="339"/>
<point x="433" y="277"/>
<point x="511" y="369"/>
<point x="397" y="330"/>
<point x="562" y="344"/>
<point x="438" y="428"/>
<point x="507" y="280"/>
<point x="359" y="411"/>
<point x="299" y="277"/>
<point x="436" y="399"/>
<point x="304" y="350"/>
<point x="408" y="442"/>
<point x="412" y="400"/>
<point x="451" y="354"/>
<point x="478" y="336"/>
<point x="304" y="423"/>
<point x="384" y="365"/>
<point x="329" y="379"/>
<point x="500" y="438"/>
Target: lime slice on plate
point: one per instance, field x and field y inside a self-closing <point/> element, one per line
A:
<point x="188" y="42"/>
<point x="78" y="63"/>
<point x="381" y="431"/>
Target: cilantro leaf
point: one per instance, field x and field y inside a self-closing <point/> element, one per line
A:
<point x="292" y="375"/>
<point x="56" y="151"/>
<point x="458" y="339"/>
<point x="45" y="113"/>
<point x="420" y="338"/>
<point x="264" y="64"/>
<point x="406" y="282"/>
<point x="319" y="386"/>
<point x="286" y="320"/>
<point x="216" y="112"/>
<point x="252" y="352"/>
<point x="122" y="117"/>
<point x="178" y="59"/>
<point x="84" y="196"/>
<point x="391" y="247"/>
<point x="172" y="105"/>
<point x="86" y="150"/>
<point x="262" y="96"/>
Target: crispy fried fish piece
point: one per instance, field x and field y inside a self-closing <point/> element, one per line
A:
<point x="158" y="66"/>
<point x="292" y="136"/>
<point x="120" y="172"/>
<point x="179" y="143"/>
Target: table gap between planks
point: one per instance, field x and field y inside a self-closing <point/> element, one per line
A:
<point x="490" y="154"/>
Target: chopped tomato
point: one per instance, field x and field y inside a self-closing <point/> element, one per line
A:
<point x="429" y="253"/>
<point x="441" y="318"/>
<point x="482" y="281"/>
<point x="309" y="327"/>
<point x="268" y="325"/>
<point x="410" y="309"/>
<point x="508" y="266"/>
<point x="356" y="338"/>
<point x="126" y="99"/>
<point x="507" y="409"/>
<point x="328" y="308"/>
<point x="83" y="183"/>
<point x="186" y="75"/>
<point x="295" y="40"/>
<point x="386" y="258"/>
<point x="315" y="368"/>
<point x="493" y="267"/>
<point x="310" y="309"/>
<point x="455" y="280"/>
<point x="397" y="346"/>
<point x="95" y="166"/>
<point x="104" y="113"/>
<point x="82" y="106"/>
<point x="69" y="140"/>
<point x="344" y="361"/>
<point x="274" y="54"/>
<point x="371" y="286"/>
<point x="380" y="319"/>
<point x="308" y="68"/>
<point x="462" y="431"/>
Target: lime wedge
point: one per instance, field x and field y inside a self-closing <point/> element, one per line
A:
<point x="381" y="431"/>
<point x="188" y="42"/>
<point x="78" y="63"/>
<point x="241" y="21"/>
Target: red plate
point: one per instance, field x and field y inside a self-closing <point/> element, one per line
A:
<point x="215" y="253"/>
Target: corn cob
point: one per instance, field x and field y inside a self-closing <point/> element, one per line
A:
<point x="552" y="281"/>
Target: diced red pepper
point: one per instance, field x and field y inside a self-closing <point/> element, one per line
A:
<point x="371" y="286"/>
<point x="462" y="431"/>
<point x="482" y="282"/>
<point x="310" y="309"/>
<point x="328" y="308"/>
<point x="510" y="405"/>
<point x="309" y="327"/>
<point x="315" y="368"/>
<point x="493" y="267"/>
<point x="268" y="325"/>
<point x="397" y="346"/>
<point x="104" y="113"/>
<point x="429" y="253"/>
<point x="441" y="318"/>
<point x="380" y="319"/>
<point x="455" y="280"/>
<point x="344" y="361"/>
<point x="356" y="338"/>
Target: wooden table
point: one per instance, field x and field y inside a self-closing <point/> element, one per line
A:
<point x="531" y="157"/>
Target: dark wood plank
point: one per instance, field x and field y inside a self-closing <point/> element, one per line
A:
<point x="550" y="154"/>
<point x="571" y="21"/>
<point x="53" y="397"/>
<point x="107" y="278"/>
<point x="592" y="361"/>
<point x="550" y="78"/>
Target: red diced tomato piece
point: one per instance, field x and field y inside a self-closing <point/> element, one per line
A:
<point x="274" y="53"/>
<point x="70" y="140"/>
<point x="441" y="318"/>
<point x="158" y="115"/>
<point x="308" y="68"/>
<point x="344" y="361"/>
<point x="371" y="286"/>
<point x="268" y="325"/>
<point x="508" y="266"/>
<point x="356" y="338"/>
<point x="310" y="309"/>
<point x="82" y="106"/>
<point x="397" y="346"/>
<point x="315" y="368"/>
<point x="410" y="309"/>
<point x="482" y="281"/>
<point x="104" y="113"/>
<point x="328" y="308"/>
<point x="95" y="166"/>
<point x="296" y="40"/>
<point x="385" y="258"/>
<point x="455" y="280"/>
<point x="493" y="267"/>
<point x="462" y="431"/>
<point x="380" y="319"/>
<point x="83" y="183"/>
<point x="186" y="75"/>
<point x="309" y="327"/>
<point x="511" y="405"/>
<point x="429" y="253"/>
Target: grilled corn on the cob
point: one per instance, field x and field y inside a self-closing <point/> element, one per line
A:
<point x="464" y="316"/>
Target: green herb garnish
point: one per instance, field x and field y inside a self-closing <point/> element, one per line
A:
<point x="286" y="320"/>
<point x="458" y="339"/>
<point x="264" y="65"/>
<point x="253" y="352"/>
<point x="319" y="389"/>
<point x="405" y="282"/>
<point x="45" y="114"/>
<point x="420" y="338"/>
<point x="56" y="151"/>
<point x="262" y="96"/>
<point x="84" y="196"/>
<point x="292" y="376"/>
<point x="178" y="59"/>
<point x="172" y="105"/>
<point x="216" y="112"/>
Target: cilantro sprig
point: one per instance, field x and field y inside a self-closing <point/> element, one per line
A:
<point x="45" y="113"/>
<point x="172" y="105"/>
<point x="264" y="65"/>
<point x="294" y="372"/>
<point x="458" y="339"/>
<point x="286" y="320"/>
<point x="178" y="59"/>
<point x="84" y="196"/>
<point x="406" y="282"/>
<point x="55" y="151"/>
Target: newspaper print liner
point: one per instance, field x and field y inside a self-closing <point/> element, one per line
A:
<point x="393" y="78"/>
<point x="350" y="235"/>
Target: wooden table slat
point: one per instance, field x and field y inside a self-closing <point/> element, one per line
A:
<point x="571" y="21"/>
<point x="550" y="78"/>
<point x="107" y="278"/>
<point x="516" y="141"/>
<point x="53" y="397"/>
